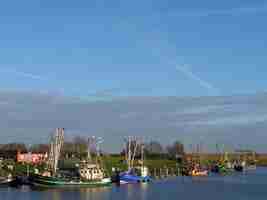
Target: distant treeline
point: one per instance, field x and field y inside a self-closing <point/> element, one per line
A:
<point x="78" y="147"/>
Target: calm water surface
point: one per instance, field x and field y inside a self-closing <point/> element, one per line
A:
<point x="252" y="186"/>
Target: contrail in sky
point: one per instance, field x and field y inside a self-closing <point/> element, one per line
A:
<point x="231" y="11"/>
<point x="200" y="81"/>
<point x="29" y="75"/>
<point x="25" y="74"/>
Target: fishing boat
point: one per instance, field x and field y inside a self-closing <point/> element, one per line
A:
<point x="246" y="166"/>
<point x="249" y="162"/>
<point x="223" y="165"/>
<point x="219" y="168"/>
<point x="238" y="168"/>
<point x="7" y="181"/>
<point x="53" y="181"/>
<point x="251" y="166"/>
<point x="90" y="174"/>
<point x="131" y="175"/>
<point x="200" y="172"/>
<point x="196" y="168"/>
<point x="246" y="160"/>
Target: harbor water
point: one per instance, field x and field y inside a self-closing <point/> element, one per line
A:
<point x="250" y="185"/>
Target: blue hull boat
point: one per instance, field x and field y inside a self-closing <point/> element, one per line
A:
<point x="128" y="177"/>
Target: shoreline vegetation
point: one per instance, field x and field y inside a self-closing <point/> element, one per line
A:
<point x="112" y="161"/>
<point x="157" y="157"/>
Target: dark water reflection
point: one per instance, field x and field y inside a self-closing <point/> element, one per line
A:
<point x="252" y="186"/>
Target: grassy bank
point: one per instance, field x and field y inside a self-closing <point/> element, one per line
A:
<point x="118" y="162"/>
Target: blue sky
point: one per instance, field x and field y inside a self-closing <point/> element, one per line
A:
<point x="134" y="48"/>
<point x="58" y="58"/>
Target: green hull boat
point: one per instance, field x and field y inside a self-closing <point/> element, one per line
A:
<point x="43" y="181"/>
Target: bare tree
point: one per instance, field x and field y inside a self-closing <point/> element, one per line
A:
<point x="176" y="149"/>
<point x="154" y="147"/>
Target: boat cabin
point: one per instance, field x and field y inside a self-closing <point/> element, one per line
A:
<point x="91" y="171"/>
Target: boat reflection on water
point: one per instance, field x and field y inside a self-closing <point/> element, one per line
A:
<point x="68" y="193"/>
<point x="144" y="188"/>
<point x="127" y="191"/>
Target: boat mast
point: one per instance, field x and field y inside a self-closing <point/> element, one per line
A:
<point x="135" y="144"/>
<point x="55" y="149"/>
<point x="129" y="152"/>
<point x="89" y="156"/>
<point x="94" y="142"/>
<point x="142" y="155"/>
<point x="131" y="145"/>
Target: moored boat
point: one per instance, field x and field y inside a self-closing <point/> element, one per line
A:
<point x="7" y="181"/>
<point x="199" y="172"/>
<point x="238" y="168"/>
<point x="90" y="173"/>
<point x="44" y="181"/>
<point x="131" y="176"/>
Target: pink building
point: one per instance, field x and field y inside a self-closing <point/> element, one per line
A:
<point x="34" y="158"/>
